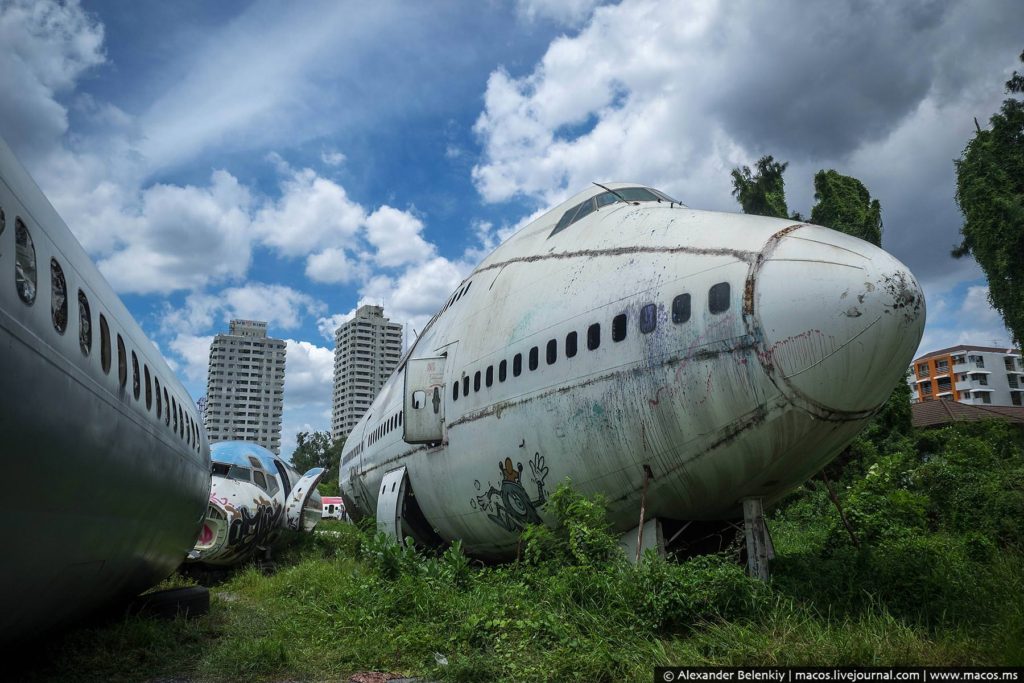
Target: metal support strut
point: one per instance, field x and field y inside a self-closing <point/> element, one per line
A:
<point x="760" y="550"/>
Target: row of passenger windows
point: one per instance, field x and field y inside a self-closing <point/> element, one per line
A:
<point x="385" y="427"/>
<point x="718" y="302"/>
<point x="25" y="279"/>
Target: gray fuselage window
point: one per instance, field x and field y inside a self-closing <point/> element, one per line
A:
<point x="517" y="365"/>
<point x="552" y="352"/>
<point x="159" y="403"/>
<point x="58" y="297"/>
<point x="84" y="323"/>
<point x="136" y="377"/>
<point x="167" y="409"/>
<point x="104" y="344"/>
<point x="149" y="387"/>
<point x="455" y="390"/>
<point x="718" y="298"/>
<point x="489" y="375"/>
<point x="570" y="345"/>
<point x="122" y="362"/>
<point x="619" y="327"/>
<point x="476" y="381"/>
<point x="534" y="358"/>
<point x="648" y="318"/>
<point x="465" y="385"/>
<point x="502" y="370"/>
<point x="24" y="263"/>
<point x="681" y="309"/>
<point x="593" y="336"/>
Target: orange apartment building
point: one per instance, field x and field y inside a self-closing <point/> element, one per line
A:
<point x="976" y="375"/>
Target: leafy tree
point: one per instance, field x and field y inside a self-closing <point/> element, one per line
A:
<point x="990" y="193"/>
<point x="316" y="450"/>
<point x="761" y="193"/>
<point x="844" y="204"/>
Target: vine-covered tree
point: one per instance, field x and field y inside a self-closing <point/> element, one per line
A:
<point x="990" y="193"/>
<point x="762" y="192"/>
<point x="844" y="204"/>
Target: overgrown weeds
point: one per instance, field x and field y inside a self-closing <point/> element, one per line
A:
<point x="937" y="579"/>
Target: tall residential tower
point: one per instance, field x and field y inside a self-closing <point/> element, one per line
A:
<point x="245" y="386"/>
<point x="366" y="351"/>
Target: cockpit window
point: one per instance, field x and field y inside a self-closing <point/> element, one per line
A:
<point x="588" y="206"/>
<point x="239" y="473"/>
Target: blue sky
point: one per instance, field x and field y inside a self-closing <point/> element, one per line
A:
<point x="289" y="161"/>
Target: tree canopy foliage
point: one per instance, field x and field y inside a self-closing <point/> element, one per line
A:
<point x="316" y="450"/>
<point x="844" y="204"/>
<point x="761" y="193"/>
<point x="990" y="193"/>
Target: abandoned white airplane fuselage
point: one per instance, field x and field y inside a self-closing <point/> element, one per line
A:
<point x="255" y="495"/>
<point x="717" y="356"/>
<point x="105" y="448"/>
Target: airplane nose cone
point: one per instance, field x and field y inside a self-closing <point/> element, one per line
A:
<point x="841" y="319"/>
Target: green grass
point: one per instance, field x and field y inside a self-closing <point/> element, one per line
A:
<point x="938" y="579"/>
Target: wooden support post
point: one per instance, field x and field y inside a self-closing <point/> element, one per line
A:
<point x="759" y="543"/>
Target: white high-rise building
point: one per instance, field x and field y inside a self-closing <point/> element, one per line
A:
<point x="366" y="351"/>
<point x="245" y="386"/>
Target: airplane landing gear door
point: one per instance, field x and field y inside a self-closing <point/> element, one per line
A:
<point x="298" y="512"/>
<point x="389" y="504"/>
<point x="424" y="400"/>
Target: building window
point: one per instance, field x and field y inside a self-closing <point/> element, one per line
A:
<point x="552" y="352"/>
<point x="534" y="358"/>
<point x="985" y="398"/>
<point x="1015" y="398"/>
<point x="681" y="309"/>
<point x="84" y="323"/>
<point x="648" y="318"/>
<point x="517" y="365"/>
<point x="619" y="327"/>
<point x="58" y="297"/>
<point x="122" y="362"/>
<point x="24" y="263"/>
<point x="593" y="336"/>
<point x="502" y="370"/>
<point x="718" y="298"/>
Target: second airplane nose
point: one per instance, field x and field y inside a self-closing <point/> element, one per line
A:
<point x="841" y="319"/>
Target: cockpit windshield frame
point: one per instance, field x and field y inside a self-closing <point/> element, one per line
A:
<point x="588" y="206"/>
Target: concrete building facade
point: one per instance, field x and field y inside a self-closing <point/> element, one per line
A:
<point x="366" y="352"/>
<point x="976" y="375"/>
<point x="245" y="386"/>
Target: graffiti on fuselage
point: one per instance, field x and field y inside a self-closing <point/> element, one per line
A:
<point x="254" y="527"/>
<point x="510" y="506"/>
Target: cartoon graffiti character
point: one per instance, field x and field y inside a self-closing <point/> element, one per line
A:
<point x="510" y="506"/>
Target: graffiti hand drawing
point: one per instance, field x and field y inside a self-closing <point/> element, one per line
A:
<point x="510" y="505"/>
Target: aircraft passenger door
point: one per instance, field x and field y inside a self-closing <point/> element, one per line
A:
<point x="298" y="513"/>
<point x="389" y="503"/>
<point x="423" y="420"/>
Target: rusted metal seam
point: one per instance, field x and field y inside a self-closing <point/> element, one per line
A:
<point x="740" y="255"/>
